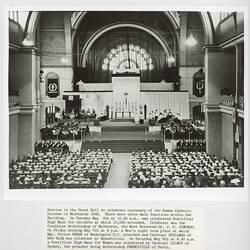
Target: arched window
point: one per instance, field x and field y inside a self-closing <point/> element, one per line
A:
<point x="52" y="83"/>
<point x="127" y="57"/>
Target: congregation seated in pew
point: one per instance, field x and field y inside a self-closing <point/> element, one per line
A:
<point x="160" y="116"/>
<point x="55" y="146"/>
<point x="150" y="169"/>
<point x="85" y="169"/>
<point x="191" y="145"/>
<point x="64" y="131"/>
<point x="84" y="114"/>
<point x="81" y="114"/>
<point x="182" y="131"/>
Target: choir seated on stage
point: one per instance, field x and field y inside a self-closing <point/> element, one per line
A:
<point x="83" y="114"/>
<point x="85" y="169"/>
<point x="191" y="146"/>
<point x="64" y="131"/>
<point x="55" y="146"/>
<point x="160" y="116"/>
<point x="176" y="129"/>
<point x="150" y="169"/>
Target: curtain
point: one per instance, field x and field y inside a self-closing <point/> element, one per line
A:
<point x="178" y="102"/>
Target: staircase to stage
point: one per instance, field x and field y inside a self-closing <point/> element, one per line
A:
<point x="124" y="146"/>
<point x="122" y="125"/>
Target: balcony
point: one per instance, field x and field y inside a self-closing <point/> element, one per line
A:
<point x="229" y="101"/>
<point x="241" y="102"/>
<point x="13" y="98"/>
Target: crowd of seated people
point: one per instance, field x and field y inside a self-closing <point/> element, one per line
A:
<point x="191" y="145"/>
<point x="160" y="116"/>
<point x="198" y="123"/>
<point x="55" y="146"/>
<point x="150" y="169"/>
<point x="174" y="127"/>
<point x="85" y="169"/>
<point x="85" y="115"/>
<point x="182" y="131"/>
<point x="81" y="114"/>
<point x="64" y="131"/>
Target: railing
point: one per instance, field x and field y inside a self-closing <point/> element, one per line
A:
<point x="229" y="100"/>
<point x="13" y="98"/>
<point x="241" y="102"/>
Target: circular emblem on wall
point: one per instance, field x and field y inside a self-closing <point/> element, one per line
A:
<point x="52" y="87"/>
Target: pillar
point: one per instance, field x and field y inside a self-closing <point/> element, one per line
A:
<point x="219" y="74"/>
<point x="25" y="79"/>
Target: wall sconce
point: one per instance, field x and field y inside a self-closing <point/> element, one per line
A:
<point x="191" y="41"/>
<point x="63" y="60"/>
<point x="171" y="59"/>
<point x="41" y="76"/>
<point x="28" y="41"/>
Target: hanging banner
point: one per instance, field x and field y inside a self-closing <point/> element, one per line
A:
<point x="71" y="97"/>
<point x="53" y="90"/>
<point x="199" y="83"/>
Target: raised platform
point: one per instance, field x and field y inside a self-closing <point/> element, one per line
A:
<point x="122" y="124"/>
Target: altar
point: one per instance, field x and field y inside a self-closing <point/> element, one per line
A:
<point x="124" y="114"/>
<point x="126" y="96"/>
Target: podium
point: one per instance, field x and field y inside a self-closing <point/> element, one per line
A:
<point x="151" y="122"/>
<point x="97" y="122"/>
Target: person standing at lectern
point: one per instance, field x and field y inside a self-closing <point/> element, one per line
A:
<point x="80" y="85"/>
<point x="178" y="84"/>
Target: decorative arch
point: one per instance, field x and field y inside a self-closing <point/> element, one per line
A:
<point x="31" y="28"/>
<point x="34" y="16"/>
<point x="105" y="29"/>
<point x="172" y="16"/>
<point x="78" y="20"/>
<point x="208" y="27"/>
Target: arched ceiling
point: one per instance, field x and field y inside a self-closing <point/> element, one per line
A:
<point x="29" y="21"/>
<point x="77" y="17"/>
<point x="88" y="28"/>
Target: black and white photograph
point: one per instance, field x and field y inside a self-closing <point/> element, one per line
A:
<point x="126" y="99"/>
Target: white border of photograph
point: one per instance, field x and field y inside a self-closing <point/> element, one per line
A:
<point x="173" y="194"/>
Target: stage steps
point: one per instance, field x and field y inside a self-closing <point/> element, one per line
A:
<point x="124" y="128"/>
<point x="124" y="146"/>
<point x="122" y="120"/>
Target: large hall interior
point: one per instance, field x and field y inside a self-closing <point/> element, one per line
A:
<point x="126" y="99"/>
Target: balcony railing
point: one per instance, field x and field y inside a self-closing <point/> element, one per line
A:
<point x="13" y="98"/>
<point x="229" y="101"/>
<point x="241" y="102"/>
